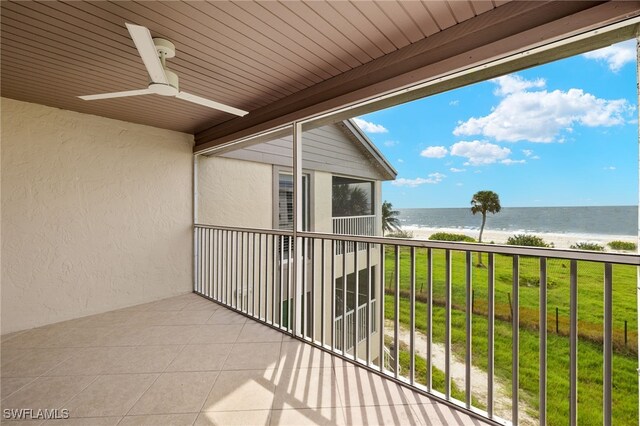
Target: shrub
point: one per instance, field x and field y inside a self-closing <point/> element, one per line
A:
<point x="447" y="236"/>
<point x="588" y="246"/>
<point x="623" y="245"/>
<point x="527" y="240"/>
<point x="400" y="234"/>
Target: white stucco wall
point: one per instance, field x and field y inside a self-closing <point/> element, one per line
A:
<point x="234" y="193"/>
<point x="96" y="214"/>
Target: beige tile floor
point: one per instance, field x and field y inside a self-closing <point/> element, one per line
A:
<point x="188" y="361"/>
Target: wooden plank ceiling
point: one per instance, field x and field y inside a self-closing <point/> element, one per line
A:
<point x="279" y="60"/>
<point x="244" y="54"/>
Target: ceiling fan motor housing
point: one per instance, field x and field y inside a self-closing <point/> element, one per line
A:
<point x="170" y="89"/>
<point x="166" y="50"/>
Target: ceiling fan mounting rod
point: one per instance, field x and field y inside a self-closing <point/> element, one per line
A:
<point x="163" y="58"/>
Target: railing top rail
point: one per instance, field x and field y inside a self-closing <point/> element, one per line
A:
<point x="281" y="232"/>
<point x="554" y="253"/>
<point x="364" y="216"/>
<point x="618" y="258"/>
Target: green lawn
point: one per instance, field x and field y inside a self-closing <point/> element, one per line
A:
<point x="625" y="397"/>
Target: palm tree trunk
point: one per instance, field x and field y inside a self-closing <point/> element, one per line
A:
<point x="484" y="220"/>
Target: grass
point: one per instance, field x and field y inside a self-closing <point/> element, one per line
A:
<point x="590" y="293"/>
<point x="625" y="397"/>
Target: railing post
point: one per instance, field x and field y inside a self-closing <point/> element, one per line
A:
<point x="607" y="355"/>
<point x="356" y="307"/>
<point x="396" y="314"/>
<point x="369" y="316"/>
<point x="322" y="291"/>
<point x="381" y="307"/>
<point x="412" y="318"/>
<point x="468" y="315"/>
<point x="274" y="262"/>
<point x="573" y="339"/>
<point x="490" y="331"/>
<point x="515" y="342"/>
<point x="344" y="297"/>
<point x="333" y="294"/>
<point x="429" y="316"/>
<point x="542" y="388"/>
<point x="447" y="326"/>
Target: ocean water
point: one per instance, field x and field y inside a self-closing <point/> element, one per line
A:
<point x="601" y="220"/>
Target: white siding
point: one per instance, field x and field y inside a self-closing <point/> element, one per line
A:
<point x="326" y="149"/>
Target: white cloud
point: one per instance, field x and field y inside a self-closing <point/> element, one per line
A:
<point x="540" y="116"/>
<point x="454" y="103"/>
<point x="508" y="84"/>
<point x="434" y="152"/>
<point x="391" y="143"/>
<point x="400" y="160"/>
<point x="616" y="56"/>
<point x="433" y="178"/>
<point x="610" y="168"/>
<point x="455" y="170"/>
<point x="479" y="153"/>
<point x="509" y="161"/>
<point x="370" y="127"/>
<point x="529" y="154"/>
<point x="459" y="184"/>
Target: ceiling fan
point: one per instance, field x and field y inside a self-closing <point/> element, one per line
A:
<point x="154" y="53"/>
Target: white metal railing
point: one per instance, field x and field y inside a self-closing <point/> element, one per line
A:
<point x="389" y="362"/>
<point x="231" y="262"/>
<point x="354" y="225"/>
<point x="363" y="322"/>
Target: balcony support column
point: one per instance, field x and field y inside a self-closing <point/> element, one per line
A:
<point x="297" y="227"/>
<point x="638" y="240"/>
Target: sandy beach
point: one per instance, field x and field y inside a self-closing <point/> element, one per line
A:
<point x="500" y="237"/>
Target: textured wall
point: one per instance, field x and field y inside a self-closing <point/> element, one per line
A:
<point x="96" y="214"/>
<point x="234" y="193"/>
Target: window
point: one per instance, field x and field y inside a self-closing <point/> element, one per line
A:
<point x="351" y="289"/>
<point x="285" y="201"/>
<point x="351" y="197"/>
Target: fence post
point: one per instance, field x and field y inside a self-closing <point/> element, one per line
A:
<point x="473" y="300"/>
<point x="510" y="307"/>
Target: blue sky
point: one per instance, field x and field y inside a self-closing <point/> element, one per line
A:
<point x="561" y="134"/>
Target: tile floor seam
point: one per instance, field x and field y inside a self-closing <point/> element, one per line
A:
<point x="21" y="387"/>
<point x="56" y="366"/>
<point x="418" y="415"/>
<point x="342" y="402"/>
<point x="80" y="391"/>
<point x="220" y="371"/>
<point x="277" y="369"/>
<point x="152" y="383"/>
<point x="197" y="413"/>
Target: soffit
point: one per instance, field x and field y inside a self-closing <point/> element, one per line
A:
<point x="245" y="54"/>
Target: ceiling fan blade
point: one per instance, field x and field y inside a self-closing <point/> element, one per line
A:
<point x="211" y="104"/>
<point x="116" y="94"/>
<point x="147" y="50"/>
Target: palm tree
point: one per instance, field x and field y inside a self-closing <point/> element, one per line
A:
<point x="348" y="200"/>
<point x="483" y="202"/>
<point x="389" y="220"/>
